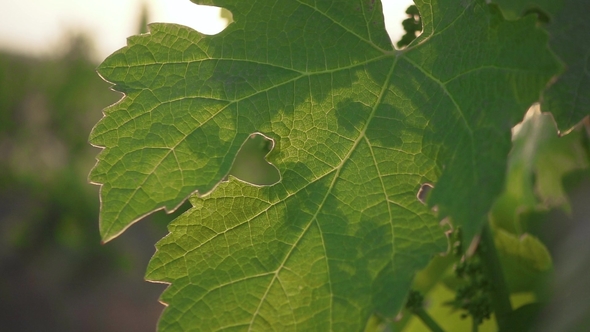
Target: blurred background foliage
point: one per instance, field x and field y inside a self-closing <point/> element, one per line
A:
<point x="56" y="276"/>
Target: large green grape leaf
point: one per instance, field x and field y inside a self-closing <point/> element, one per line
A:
<point x="358" y="127"/>
<point x="568" y="98"/>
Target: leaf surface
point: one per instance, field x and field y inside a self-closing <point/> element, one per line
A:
<point x="526" y="262"/>
<point x="568" y="98"/>
<point x="358" y="127"/>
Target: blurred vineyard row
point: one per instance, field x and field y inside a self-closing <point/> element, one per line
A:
<point x="55" y="275"/>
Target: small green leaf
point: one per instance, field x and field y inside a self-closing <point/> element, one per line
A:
<point x="537" y="164"/>
<point x="526" y="262"/>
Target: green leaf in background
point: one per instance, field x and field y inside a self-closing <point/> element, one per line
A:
<point x="539" y="160"/>
<point x="358" y="127"/>
<point x="568" y="98"/>
<point x="526" y="262"/>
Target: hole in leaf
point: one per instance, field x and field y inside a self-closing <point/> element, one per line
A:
<point x="423" y="192"/>
<point x="396" y="16"/>
<point x="250" y="164"/>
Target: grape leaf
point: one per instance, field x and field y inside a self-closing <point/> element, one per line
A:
<point x="537" y="164"/>
<point x="358" y="128"/>
<point x="568" y="98"/>
<point x="526" y="262"/>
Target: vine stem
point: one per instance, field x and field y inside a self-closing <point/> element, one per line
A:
<point x="427" y="320"/>
<point x="500" y="294"/>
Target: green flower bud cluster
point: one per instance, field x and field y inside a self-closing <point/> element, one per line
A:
<point x="473" y="293"/>
<point x="415" y="301"/>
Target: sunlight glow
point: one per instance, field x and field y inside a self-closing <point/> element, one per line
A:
<point x="41" y="27"/>
<point x="205" y="19"/>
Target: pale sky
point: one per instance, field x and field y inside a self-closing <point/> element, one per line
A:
<point x="39" y="26"/>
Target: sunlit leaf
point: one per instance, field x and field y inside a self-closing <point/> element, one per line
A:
<point x="358" y="127"/>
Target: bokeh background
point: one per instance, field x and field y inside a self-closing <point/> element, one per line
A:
<point x="54" y="273"/>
